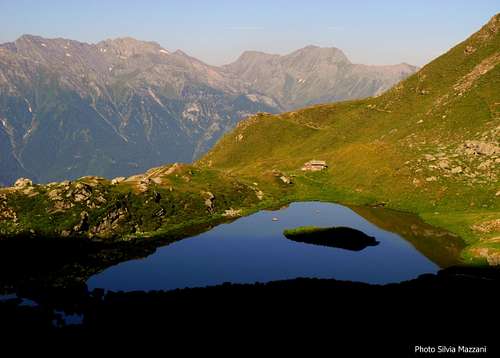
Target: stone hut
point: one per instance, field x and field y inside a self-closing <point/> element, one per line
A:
<point x="314" y="165"/>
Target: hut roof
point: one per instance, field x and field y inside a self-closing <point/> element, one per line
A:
<point x="317" y="162"/>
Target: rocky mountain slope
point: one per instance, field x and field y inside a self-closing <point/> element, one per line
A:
<point x="119" y="107"/>
<point x="68" y="108"/>
<point x="314" y="75"/>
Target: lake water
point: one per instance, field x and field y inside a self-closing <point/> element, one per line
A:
<point x="253" y="248"/>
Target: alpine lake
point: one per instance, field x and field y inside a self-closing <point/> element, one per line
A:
<point x="255" y="249"/>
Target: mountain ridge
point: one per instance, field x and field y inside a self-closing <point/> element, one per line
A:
<point x="293" y="79"/>
<point x="120" y="106"/>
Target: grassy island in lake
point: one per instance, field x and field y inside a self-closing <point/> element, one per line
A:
<point x="340" y="237"/>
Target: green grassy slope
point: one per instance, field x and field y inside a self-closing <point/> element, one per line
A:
<point x="430" y="145"/>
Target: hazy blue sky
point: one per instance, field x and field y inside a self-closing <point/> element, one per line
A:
<point x="217" y="31"/>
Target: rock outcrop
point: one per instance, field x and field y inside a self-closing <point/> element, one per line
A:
<point x="110" y="224"/>
<point x="232" y="213"/>
<point x="22" y="183"/>
<point x="209" y="201"/>
<point x="480" y="148"/>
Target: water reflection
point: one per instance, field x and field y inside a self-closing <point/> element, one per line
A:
<point x="253" y="249"/>
<point x="440" y="246"/>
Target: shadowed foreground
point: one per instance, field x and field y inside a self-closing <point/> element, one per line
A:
<point x="450" y="307"/>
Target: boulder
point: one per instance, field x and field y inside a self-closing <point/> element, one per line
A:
<point x="83" y="225"/>
<point x="469" y="50"/>
<point x="65" y="233"/>
<point x="487" y="226"/>
<point x="143" y="184"/>
<point x="54" y="194"/>
<point x="443" y="164"/>
<point x="156" y="180"/>
<point x="232" y="213"/>
<point x="65" y="184"/>
<point x="285" y="179"/>
<point x="23" y="183"/>
<point x="29" y="191"/>
<point x="491" y="255"/>
<point x="485" y="165"/>
<point x="481" y="148"/>
<point x="61" y="205"/>
<point x="82" y="192"/>
<point x="209" y="200"/>
<point x="111" y="222"/>
<point x="173" y="168"/>
<point x="117" y="180"/>
<point x="6" y="213"/>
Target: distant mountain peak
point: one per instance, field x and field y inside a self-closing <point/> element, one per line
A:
<point x="314" y="74"/>
<point x="322" y="53"/>
<point x="310" y="49"/>
<point x="129" y="46"/>
<point x="122" y="105"/>
<point x="252" y="55"/>
<point x="129" y="41"/>
<point x="39" y="40"/>
<point x="29" y="37"/>
<point x="317" y="48"/>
